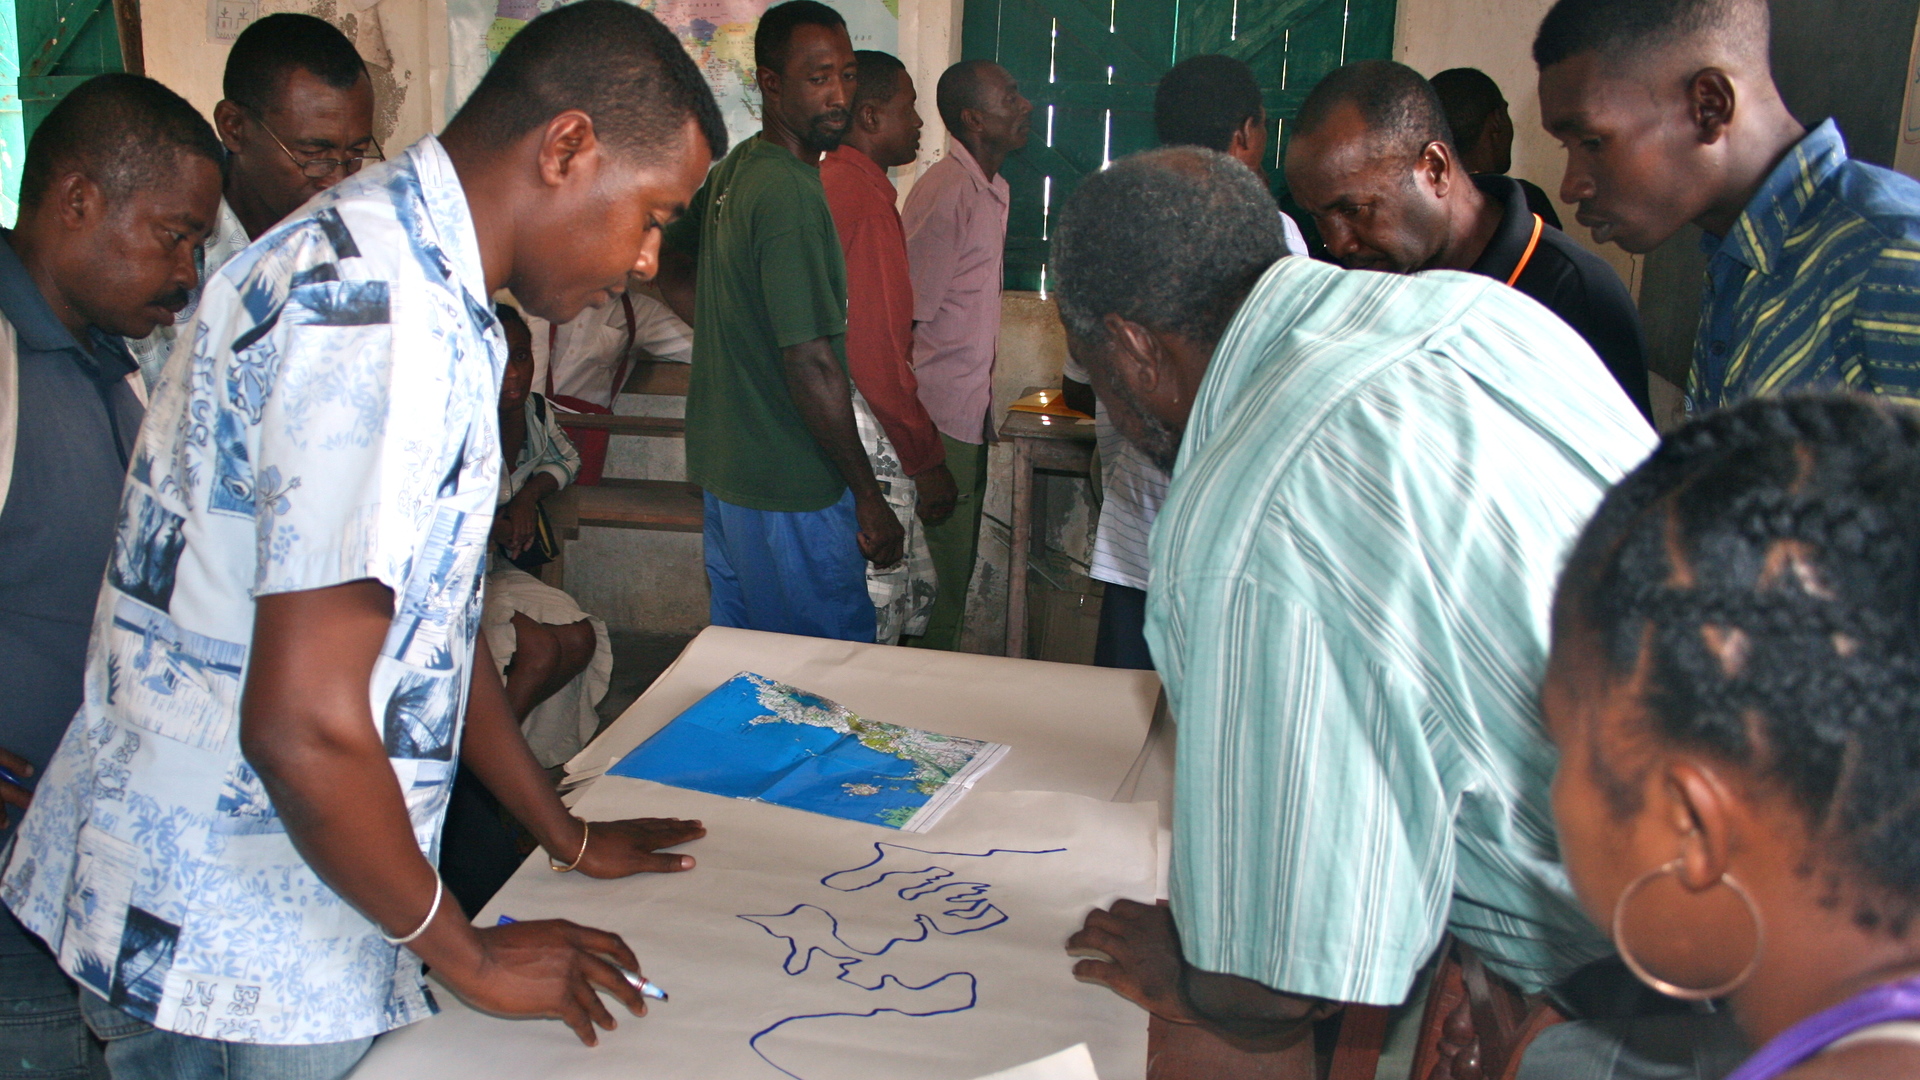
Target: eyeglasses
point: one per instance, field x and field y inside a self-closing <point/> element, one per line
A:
<point x="321" y="168"/>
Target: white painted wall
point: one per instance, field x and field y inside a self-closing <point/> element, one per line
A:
<point x="1906" y="156"/>
<point x="929" y="44"/>
<point x="403" y="41"/>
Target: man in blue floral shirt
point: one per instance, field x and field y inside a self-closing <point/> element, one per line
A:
<point x="237" y="834"/>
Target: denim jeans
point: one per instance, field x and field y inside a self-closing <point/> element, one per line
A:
<point x="41" y="1034"/>
<point x="136" y="1050"/>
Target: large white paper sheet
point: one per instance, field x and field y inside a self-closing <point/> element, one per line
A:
<point x="821" y="949"/>
<point x="1071" y="727"/>
<point x="1073" y="1063"/>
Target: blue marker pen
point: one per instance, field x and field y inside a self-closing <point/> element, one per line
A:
<point x="645" y="986"/>
<point x="8" y="775"/>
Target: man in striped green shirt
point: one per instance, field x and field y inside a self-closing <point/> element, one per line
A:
<point x="1377" y="479"/>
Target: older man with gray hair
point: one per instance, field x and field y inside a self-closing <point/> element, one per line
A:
<point x="1374" y="478"/>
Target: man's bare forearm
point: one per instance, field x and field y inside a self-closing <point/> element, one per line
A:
<point x="497" y="753"/>
<point x="824" y="398"/>
<point x="539" y="486"/>
<point x="308" y="730"/>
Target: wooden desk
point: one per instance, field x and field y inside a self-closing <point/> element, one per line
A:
<point x="1055" y="444"/>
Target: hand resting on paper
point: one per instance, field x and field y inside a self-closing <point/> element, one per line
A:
<point x="551" y="968"/>
<point x="617" y="849"/>
<point x="1134" y="950"/>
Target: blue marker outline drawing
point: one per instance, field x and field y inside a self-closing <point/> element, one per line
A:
<point x="970" y="904"/>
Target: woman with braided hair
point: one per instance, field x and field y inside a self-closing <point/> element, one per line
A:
<point x="1735" y="690"/>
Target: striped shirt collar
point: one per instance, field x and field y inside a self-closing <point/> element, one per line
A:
<point x="1756" y="238"/>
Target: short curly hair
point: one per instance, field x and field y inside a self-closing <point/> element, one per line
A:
<point x="126" y="133"/>
<point x="879" y="77"/>
<point x="1762" y="569"/>
<point x="1641" y="27"/>
<point x="1399" y="106"/>
<point x="609" y="59"/>
<point x="273" y="46"/>
<point x="1204" y="100"/>
<point x="1172" y="239"/>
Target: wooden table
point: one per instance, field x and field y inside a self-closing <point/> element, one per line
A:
<point x="1057" y="445"/>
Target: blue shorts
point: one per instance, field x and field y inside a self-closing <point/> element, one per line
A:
<point x="788" y="573"/>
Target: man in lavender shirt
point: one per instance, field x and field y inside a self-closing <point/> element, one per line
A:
<point x="956" y="225"/>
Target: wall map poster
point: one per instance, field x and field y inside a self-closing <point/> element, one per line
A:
<point x="718" y="34"/>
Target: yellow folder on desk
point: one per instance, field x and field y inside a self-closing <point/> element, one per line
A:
<point x="1047" y="403"/>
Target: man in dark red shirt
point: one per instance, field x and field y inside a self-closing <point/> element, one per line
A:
<point x="885" y="132"/>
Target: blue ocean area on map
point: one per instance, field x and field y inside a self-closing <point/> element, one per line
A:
<point x="753" y="738"/>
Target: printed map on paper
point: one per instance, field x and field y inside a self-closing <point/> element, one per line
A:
<point x="718" y="34"/>
<point x="754" y="738"/>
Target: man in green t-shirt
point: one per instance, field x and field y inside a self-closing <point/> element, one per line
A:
<point x="793" y="512"/>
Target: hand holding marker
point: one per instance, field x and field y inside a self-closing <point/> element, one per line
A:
<point x="646" y="987"/>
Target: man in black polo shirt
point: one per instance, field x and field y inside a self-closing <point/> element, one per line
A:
<point x="121" y="184"/>
<point x="1373" y="162"/>
<point x="1482" y="130"/>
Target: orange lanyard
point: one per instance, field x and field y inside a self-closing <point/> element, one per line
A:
<point x="1527" y="255"/>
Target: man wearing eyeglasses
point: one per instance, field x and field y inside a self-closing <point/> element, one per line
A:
<point x="297" y="119"/>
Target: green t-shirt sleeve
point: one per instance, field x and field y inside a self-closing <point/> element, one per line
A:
<point x="802" y="274"/>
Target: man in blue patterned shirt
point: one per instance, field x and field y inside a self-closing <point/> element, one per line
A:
<point x="1669" y="114"/>
<point x="238" y="833"/>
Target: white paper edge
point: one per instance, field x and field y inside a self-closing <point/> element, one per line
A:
<point x="1073" y="1063"/>
<point x="957" y="785"/>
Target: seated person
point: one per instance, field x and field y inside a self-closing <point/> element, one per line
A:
<point x="555" y="658"/>
<point x="1372" y="161"/>
<point x="1734" y="685"/>
<point x="589" y="357"/>
<point x="1376" y="478"/>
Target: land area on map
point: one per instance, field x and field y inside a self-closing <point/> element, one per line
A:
<point x="755" y="738"/>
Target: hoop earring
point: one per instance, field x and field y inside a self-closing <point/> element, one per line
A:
<point x="1671" y="990"/>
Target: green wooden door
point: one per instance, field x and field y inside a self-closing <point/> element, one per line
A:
<point x="1090" y="67"/>
<point x="63" y="43"/>
<point x="47" y="47"/>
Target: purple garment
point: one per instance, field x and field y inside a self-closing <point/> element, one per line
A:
<point x="1884" y="1003"/>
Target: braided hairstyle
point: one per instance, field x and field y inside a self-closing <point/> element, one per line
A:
<point x="1761" y="571"/>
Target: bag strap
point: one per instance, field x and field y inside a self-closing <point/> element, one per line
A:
<point x="553" y="339"/>
<point x="626" y="353"/>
